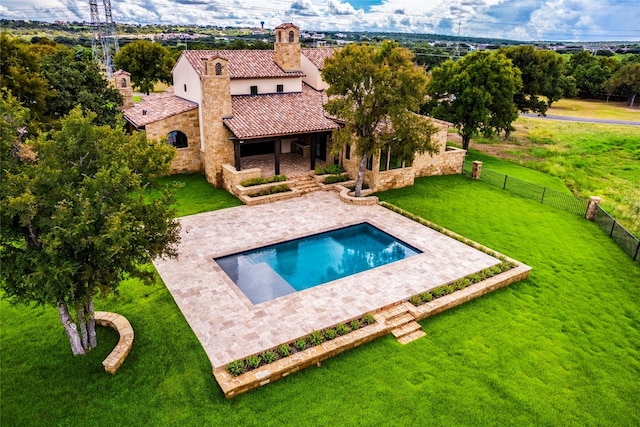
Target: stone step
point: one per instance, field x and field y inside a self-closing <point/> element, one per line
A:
<point x="400" y="319"/>
<point x="394" y="311"/>
<point x="405" y="339"/>
<point x="405" y="329"/>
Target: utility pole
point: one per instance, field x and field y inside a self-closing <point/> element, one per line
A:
<point x="104" y="44"/>
<point x="457" y="55"/>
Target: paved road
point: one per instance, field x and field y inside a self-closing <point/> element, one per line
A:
<point x="583" y="119"/>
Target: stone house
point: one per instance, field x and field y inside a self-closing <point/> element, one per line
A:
<point x="227" y="106"/>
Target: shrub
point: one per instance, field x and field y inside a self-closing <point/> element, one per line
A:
<point x="355" y="324"/>
<point x="301" y="344"/>
<point x="253" y="361"/>
<point x="257" y="181"/>
<point x="368" y="319"/>
<point x="342" y="329"/>
<point x="236" y="368"/>
<point x="329" y="334"/>
<point x="426" y="296"/>
<point x="316" y="338"/>
<point x="415" y="300"/>
<point x="284" y="350"/>
<point x="272" y="190"/>
<point x="269" y="356"/>
<point x="329" y="169"/>
<point x="439" y="291"/>
<point x="332" y="179"/>
<point x="459" y="285"/>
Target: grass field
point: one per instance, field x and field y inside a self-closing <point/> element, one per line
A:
<point x="561" y="348"/>
<point x="594" y="109"/>
<point x="591" y="159"/>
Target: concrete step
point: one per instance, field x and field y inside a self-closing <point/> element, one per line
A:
<point x="405" y="339"/>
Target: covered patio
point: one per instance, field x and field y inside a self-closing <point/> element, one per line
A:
<point x="291" y="164"/>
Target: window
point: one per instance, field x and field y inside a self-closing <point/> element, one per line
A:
<point x="123" y="82"/>
<point x="291" y="36"/>
<point x="390" y="160"/>
<point x="279" y="36"/>
<point x="185" y="87"/>
<point x="177" y="139"/>
<point x="370" y="163"/>
<point x="347" y="152"/>
<point x="279" y="88"/>
<point x="218" y="69"/>
<point x="254" y="90"/>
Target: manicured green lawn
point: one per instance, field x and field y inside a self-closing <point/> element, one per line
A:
<point x="195" y="195"/>
<point x="561" y="348"/>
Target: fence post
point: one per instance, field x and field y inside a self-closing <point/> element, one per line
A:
<point x="477" y="168"/>
<point x="504" y="185"/>
<point x="544" y="190"/>
<point x="635" y="257"/>
<point x="592" y="207"/>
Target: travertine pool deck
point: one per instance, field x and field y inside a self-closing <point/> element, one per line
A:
<point x="230" y="327"/>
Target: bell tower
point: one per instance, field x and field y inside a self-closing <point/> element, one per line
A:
<point x="287" y="47"/>
<point x="216" y="105"/>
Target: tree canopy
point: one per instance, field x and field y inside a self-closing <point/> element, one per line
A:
<point x="543" y="77"/>
<point x="75" y="221"/>
<point x="147" y="62"/>
<point x="375" y="91"/>
<point x="51" y="79"/>
<point x="626" y="80"/>
<point x="476" y="94"/>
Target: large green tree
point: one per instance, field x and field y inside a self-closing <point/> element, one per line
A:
<point x="74" y="79"/>
<point x="20" y="74"/>
<point x="543" y="77"/>
<point x="147" y="62"/>
<point x="626" y="81"/>
<point x="375" y="91"/>
<point x="476" y="94"/>
<point x="75" y="221"/>
<point x="590" y="72"/>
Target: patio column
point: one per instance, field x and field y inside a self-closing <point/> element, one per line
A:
<point x="236" y="155"/>
<point x="277" y="149"/>
<point x="312" y="156"/>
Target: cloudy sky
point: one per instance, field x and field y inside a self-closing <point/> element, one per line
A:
<point x="583" y="20"/>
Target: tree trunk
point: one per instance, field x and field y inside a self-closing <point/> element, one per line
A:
<point x="466" y="139"/>
<point x="360" y="179"/>
<point x="632" y="100"/>
<point x="71" y="329"/>
<point x="84" y="336"/>
<point x="91" y="325"/>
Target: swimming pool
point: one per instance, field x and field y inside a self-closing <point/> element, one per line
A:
<point x="273" y="271"/>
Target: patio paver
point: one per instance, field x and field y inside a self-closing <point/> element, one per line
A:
<point x="230" y="327"/>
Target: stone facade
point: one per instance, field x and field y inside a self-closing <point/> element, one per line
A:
<point x="287" y="47"/>
<point x="189" y="159"/>
<point x="447" y="161"/>
<point x="217" y="146"/>
<point x="122" y="82"/>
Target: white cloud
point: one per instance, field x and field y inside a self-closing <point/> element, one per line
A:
<point x="517" y="19"/>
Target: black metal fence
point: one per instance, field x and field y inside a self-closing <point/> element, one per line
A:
<point x="544" y="195"/>
<point x="629" y="243"/>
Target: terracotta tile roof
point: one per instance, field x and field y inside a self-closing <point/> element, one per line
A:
<point x="156" y="107"/>
<point x="317" y="56"/>
<point x="285" y="26"/>
<point x="243" y="64"/>
<point x="260" y="116"/>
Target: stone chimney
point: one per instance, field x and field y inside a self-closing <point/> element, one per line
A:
<point x="216" y="105"/>
<point x="287" y="47"/>
<point x="122" y="82"/>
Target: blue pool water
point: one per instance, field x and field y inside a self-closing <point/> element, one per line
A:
<point x="273" y="271"/>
